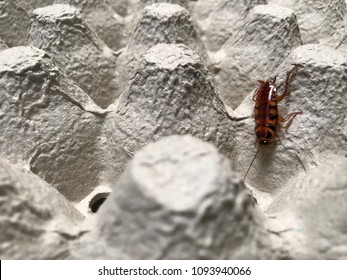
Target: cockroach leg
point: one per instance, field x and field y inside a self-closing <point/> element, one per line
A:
<point x="290" y="117"/>
<point x="286" y="87"/>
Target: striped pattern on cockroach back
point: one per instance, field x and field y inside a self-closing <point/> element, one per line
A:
<point x="266" y="115"/>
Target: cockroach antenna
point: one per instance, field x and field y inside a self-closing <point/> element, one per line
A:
<point x="249" y="167"/>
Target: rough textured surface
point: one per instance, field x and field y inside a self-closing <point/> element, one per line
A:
<point x="182" y="3"/>
<point x="61" y="32"/>
<point x="268" y="35"/>
<point x="101" y="17"/>
<point x="47" y="123"/>
<point x="223" y="21"/>
<point x="337" y="40"/>
<point x="36" y="221"/>
<point x="3" y="45"/>
<point x="317" y="18"/>
<point x="123" y="8"/>
<point x="312" y="214"/>
<point x="51" y="127"/>
<point x="193" y="205"/>
<point x="171" y="92"/>
<point x="15" y="18"/>
<point x="321" y="80"/>
<point x="159" y="23"/>
<point x="201" y="13"/>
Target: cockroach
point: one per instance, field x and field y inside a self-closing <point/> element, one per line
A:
<point x="266" y="115"/>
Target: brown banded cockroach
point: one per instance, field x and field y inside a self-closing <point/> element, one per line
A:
<point x="266" y="115"/>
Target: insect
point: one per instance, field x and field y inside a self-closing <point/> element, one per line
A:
<point x="266" y="115"/>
